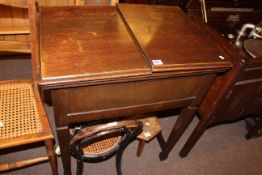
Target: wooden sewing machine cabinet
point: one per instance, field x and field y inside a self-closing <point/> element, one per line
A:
<point x="106" y="62"/>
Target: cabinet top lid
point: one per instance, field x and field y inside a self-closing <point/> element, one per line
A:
<point x="87" y="42"/>
<point x="170" y="40"/>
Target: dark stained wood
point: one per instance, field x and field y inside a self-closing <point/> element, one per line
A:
<point x="254" y="127"/>
<point x="100" y="47"/>
<point x="226" y="16"/>
<point x="106" y="97"/>
<point x="98" y="71"/>
<point x="88" y="81"/>
<point x="233" y="95"/>
<point x="178" y="129"/>
<point x="155" y="2"/>
<point x="62" y="128"/>
<point x="165" y="33"/>
<point x="140" y="148"/>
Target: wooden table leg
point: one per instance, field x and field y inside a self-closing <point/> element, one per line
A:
<point x="59" y="101"/>
<point x="180" y="126"/>
<point x="63" y="139"/>
<point x="198" y="131"/>
<point x="161" y="140"/>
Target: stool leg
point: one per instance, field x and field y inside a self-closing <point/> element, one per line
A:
<point x="140" y="147"/>
<point x="49" y="144"/>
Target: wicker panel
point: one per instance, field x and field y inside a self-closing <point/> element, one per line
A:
<point x="102" y="146"/>
<point x="18" y="111"/>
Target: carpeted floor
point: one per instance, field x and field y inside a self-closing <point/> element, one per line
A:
<point x="222" y="150"/>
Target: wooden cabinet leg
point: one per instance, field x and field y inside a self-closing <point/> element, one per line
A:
<point x="49" y="144"/>
<point x="60" y="104"/>
<point x="63" y="139"/>
<point x="161" y="140"/>
<point x="198" y="131"/>
<point x="180" y="126"/>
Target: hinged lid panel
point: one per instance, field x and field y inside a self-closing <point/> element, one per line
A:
<point x="87" y="42"/>
<point x="169" y="39"/>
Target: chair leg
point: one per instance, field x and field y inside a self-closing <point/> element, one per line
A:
<point x="140" y="147"/>
<point x="119" y="155"/>
<point x="118" y="162"/>
<point x="80" y="167"/>
<point x="49" y="144"/>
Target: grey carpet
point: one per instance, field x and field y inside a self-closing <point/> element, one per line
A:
<point x="222" y="150"/>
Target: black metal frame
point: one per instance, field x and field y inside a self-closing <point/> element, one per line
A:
<point x="128" y="134"/>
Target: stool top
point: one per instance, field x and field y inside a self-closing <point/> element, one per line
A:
<point x="151" y="127"/>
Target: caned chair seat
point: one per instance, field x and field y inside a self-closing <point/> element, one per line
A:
<point x="102" y="146"/>
<point x="93" y="142"/>
<point x="99" y="142"/>
<point x="23" y="120"/>
<point x="20" y="118"/>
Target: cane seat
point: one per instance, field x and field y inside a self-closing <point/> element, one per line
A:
<point x="99" y="142"/>
<point x="101" y="145"/>
<point x="23" y="121"/>
<point x="19" y="114"/>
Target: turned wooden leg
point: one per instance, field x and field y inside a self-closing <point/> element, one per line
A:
<point x="180" y="126"/>
<point x="198" y="131"/>
<point x="140" y="147"/>
<point x="49" y="144"/>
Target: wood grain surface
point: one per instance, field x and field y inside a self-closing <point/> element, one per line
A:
<point x="87" y="41"/>
<point x="165" y="33"/>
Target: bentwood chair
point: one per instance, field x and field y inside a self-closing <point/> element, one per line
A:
<point x="94" y="142"/>
<point x="23" y="120"/>
<point x="14" y="27"/>
<point x="99" y="142"/>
